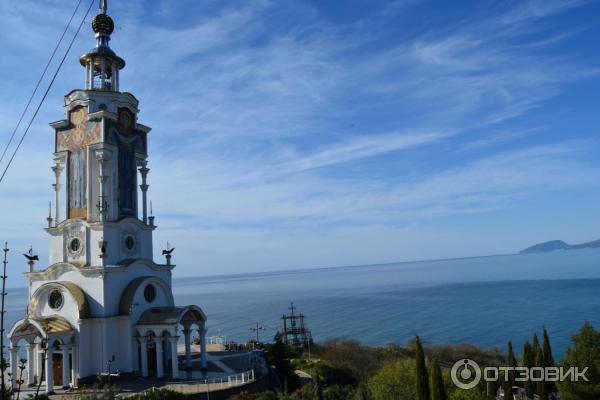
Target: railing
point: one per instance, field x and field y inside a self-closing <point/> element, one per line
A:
<point x="97" y="84"/>
<point x="212" y="384"/>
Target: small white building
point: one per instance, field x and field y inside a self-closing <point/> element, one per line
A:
<point x="102" y="304"/>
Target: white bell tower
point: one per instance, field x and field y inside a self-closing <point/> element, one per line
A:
<point x="101" y="155"/>
<point x="102" y="302"/>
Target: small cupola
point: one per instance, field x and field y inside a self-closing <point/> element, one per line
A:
<point x="102" y="65"/>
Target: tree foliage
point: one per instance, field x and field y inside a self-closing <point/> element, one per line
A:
<point x="438" y="390"/>
<point x="395" y="381"/>
<point x="512" y="362"/>
<point x="527" y="361"/>
<point x="583" y="352"/>
<point x="548" y="359"/>
<point x="422" y="382"/>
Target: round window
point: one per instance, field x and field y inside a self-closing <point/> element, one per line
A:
<point x="129" y="242"/>
<point x="75" y="245"/>
<point x="55" y="300"/>
<point x="150" y="293"/>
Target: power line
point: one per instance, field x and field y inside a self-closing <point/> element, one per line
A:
<point x="37" y="86"/>
<point x="46" y="93"/>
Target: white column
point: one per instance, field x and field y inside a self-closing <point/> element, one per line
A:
<point x="202" y="333"/>
<point x="144" y="186"/>
<point x="49" y="371"/>
<point x="174" y="360"/>
<point x="144" y="355"/>
<point x="31" y="356"/>
<point x="14" y="361"/>
<point x="90" y="77"/>
<point x="103" y="74"/>
<point x="57" y="169"/>
<point x="73" y="365"/>
<point x="103" y="156"/>
<point x="39" y="361"/>
<point x="87" y="76"/>
<point x="159" y="357"/>
<point x="187" y="333"/>
<point x="65" y="367"/>
<point x="113" y="77"/>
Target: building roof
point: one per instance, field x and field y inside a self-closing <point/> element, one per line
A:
<point x="160" y="316"/>
<point x="54" y="324"/>
<point x="172" y="316"/>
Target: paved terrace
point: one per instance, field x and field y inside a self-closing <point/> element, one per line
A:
<point x="225" y="370"/>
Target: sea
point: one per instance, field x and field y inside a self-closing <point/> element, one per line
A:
<point x="485" y="301"/>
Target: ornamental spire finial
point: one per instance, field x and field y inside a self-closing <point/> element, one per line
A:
<point x="103" y="6"/>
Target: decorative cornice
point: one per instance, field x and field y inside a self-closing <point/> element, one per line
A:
<point x="54" y="271"/>
<point x="98" y="225"/>
<point x="143" y="128"/>
<point x="60" y="124"/>
<point x="98" y="115"/>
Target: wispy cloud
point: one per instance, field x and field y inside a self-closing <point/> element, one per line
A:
<point x="276" y="123"/>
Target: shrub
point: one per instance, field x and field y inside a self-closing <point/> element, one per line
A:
<point x="395" y="381"/>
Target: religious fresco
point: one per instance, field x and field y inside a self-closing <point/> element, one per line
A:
<point x="128" y="141"/>
<point x="75" y="140"/>
<point x="81" y="133"/>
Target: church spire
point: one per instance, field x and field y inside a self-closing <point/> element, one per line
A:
<point x="101" y="63"/>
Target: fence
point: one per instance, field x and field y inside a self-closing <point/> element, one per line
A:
<point x="212" y="384"/>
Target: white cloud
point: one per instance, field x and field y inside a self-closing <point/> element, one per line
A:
<point x="277" y="131"/>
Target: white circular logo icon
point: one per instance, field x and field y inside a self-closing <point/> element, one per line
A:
<point x="466" y="374"/>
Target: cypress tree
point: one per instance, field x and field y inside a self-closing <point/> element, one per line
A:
<point x="318" y="395"/>
<point x="542" y="386"/>
<point x="527" y="362"/>
<point x="536" y="350"/>
<point x="547" y="350"/>
<point x="512" y="362"/>
<point x="548" y="359"/>
<point x="492" y="389"/>
<point x="362" y="393"/>
<point x="438" y="390"/>
<point x="507" y="389"/>
<point x="422" y="384"/>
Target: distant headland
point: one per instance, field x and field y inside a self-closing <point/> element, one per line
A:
<point x="554" y="245"/>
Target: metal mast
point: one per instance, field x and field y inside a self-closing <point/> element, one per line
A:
<point x="2" y="311"/>
<point x="294" y="330"/>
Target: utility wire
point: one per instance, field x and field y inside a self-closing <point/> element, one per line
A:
<point x="46" y="93"/>
<point x="37" y="86"/>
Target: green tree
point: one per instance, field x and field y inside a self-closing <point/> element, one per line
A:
<point x="491" y="389"/>
<point x="337" y="392"/>
<point x="548" y="359"/>
<point x="542" y="385"/>
<point x="362" y="393"/>
<point x="472" y="394"/>
<point x="507" y="389"/>
<point x="394" y="381"/>
<point x="512" y="362"/>
<point x="256" y="396"/>
<point x="438" y="390"/>
<point x="277" y="356"/>
<point x="422" y="384"/>
<point x="527" y="362"/>
<point x="583" y="352"/>
<point x="536" y="348"/>
<point x="318" y="391"/>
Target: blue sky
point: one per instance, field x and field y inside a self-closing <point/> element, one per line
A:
<point x="298" y="134"/>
